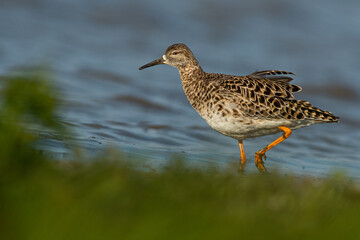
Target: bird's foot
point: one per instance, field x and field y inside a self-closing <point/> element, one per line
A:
<point x="259" y="161"/>
<point x="241" y="168"/>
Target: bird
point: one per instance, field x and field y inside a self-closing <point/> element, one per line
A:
<point x="243" y="107"/>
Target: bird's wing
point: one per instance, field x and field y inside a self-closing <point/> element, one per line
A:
<point x="263" y="93"/>
<point x="267" y="94"/>
<point x="267" y="83"/>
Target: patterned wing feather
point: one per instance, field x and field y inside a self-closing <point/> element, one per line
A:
<point x="277" y="77"/>
<point x="267" y="95"/>
<point x="268" y="83"/>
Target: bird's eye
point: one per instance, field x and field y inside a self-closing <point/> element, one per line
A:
<point x="175" y="53"/>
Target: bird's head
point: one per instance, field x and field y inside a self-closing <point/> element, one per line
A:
<point x="177" y="55"/>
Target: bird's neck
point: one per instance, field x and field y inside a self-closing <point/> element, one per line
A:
<point x="193" y="80"/>
<point x="190" y="72"/>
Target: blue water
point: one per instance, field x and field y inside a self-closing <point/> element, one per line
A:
<point x="96" y="47"/>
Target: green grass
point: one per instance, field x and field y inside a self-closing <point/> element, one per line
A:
<point x="112" y="198"/>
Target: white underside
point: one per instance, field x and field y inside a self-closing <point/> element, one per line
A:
<point x="243" y="128"/>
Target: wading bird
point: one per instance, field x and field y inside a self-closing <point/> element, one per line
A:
<point x="243" y="107"/>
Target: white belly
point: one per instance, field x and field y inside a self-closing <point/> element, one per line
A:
<point x="242" y="128"/>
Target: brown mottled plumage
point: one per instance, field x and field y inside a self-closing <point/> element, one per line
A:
<point x="243" y="107"/>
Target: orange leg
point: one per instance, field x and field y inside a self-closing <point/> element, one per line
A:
<point x="243" y="158"/>
<point x="259" y="155"/>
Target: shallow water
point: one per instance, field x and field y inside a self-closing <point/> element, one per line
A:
<point x="95" y="49"/>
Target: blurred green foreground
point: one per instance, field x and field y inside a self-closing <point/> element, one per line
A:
<point x="41" y="198"/>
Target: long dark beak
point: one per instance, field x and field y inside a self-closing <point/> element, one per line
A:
<point x="153" y="63"/>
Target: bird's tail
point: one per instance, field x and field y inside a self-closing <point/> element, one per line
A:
<point x="305" y="110"/>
